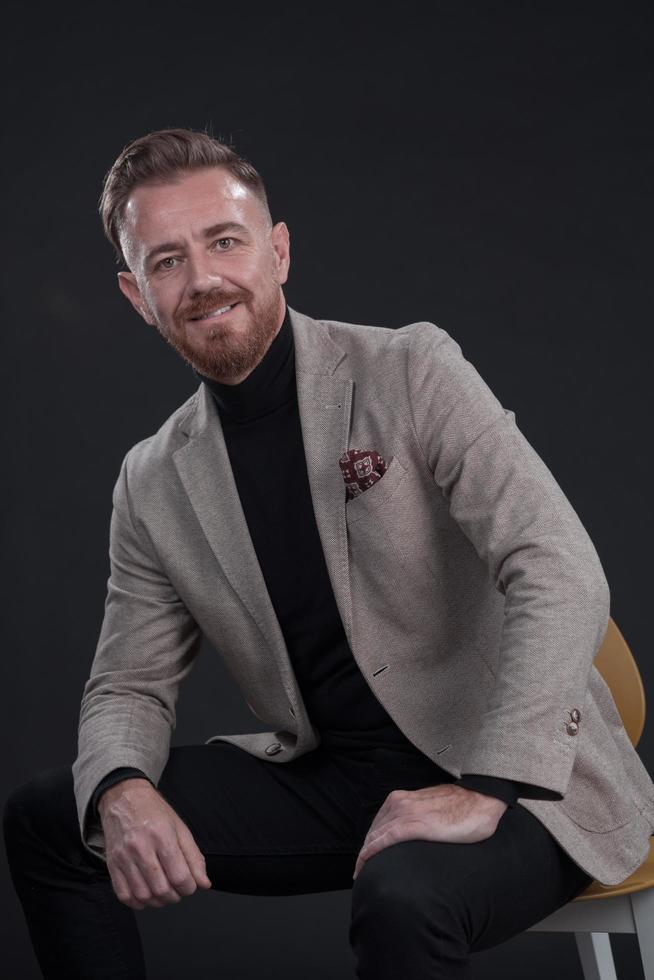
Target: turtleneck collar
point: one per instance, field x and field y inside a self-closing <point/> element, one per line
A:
<point x="270" y="385"/>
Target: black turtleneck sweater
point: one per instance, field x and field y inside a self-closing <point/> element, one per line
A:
<point x="261" y="425"/>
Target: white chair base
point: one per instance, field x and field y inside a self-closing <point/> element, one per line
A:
<point x="592" y="922"/>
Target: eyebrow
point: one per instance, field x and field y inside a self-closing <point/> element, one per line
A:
<point x="207" y="233"/>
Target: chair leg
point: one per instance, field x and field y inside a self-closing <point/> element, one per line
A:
<point x="596" y="955"/>
<point x="642" y="905"/>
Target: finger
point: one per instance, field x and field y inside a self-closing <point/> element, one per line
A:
<point x="387" y="810"/>
<point x="162" y="890"/>
<point x="399" y="830"/>
<point x="122" y="889"/>
<point x="176" y="869"/>
<point x="396" y="809"/>
<point x="373" y="846"/>
<point x="137" y="882"/>
<point x="193" y="856"/>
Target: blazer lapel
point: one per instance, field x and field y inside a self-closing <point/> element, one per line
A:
<point x="205" y="471"/>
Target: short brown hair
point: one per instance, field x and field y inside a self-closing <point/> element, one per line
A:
<point x="161" y="156"/>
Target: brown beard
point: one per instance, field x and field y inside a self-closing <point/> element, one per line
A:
<point x="228" y="355"/>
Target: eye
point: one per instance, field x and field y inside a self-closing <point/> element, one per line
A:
<point x="219" y="241"/>
<point x="162" y="264"/>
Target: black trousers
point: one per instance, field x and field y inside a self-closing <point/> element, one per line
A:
<point x="418" y="909"/>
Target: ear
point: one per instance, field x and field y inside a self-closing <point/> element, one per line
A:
<point x="282" y="246"/>
<point x="129" y="288"/>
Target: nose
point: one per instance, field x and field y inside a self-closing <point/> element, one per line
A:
<point x="203" y="274"/>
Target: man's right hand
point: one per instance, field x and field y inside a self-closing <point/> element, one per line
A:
<point x="151" y="854"/>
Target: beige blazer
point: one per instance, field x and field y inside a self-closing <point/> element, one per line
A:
<point x="472" y="597"/>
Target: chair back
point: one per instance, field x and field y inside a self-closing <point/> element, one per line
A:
<point x="617" y="666"/>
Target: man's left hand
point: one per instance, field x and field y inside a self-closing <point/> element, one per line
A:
<point x="440" y="813"/>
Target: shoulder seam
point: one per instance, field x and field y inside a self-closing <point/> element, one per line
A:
<point x="411" y="335"/>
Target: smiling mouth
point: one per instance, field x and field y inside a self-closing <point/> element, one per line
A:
<point x="214" y="314"/>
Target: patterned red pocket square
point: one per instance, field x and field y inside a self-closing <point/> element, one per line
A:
<point x="361" y="468"/>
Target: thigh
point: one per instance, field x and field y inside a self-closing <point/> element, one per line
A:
<point x="493" y="889"/>
<point x="523" y="876"/>
<point x="268" y="828"/>
<point x="527" y="876"/>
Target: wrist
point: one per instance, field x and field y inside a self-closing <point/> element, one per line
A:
<point x="118" y="790"/>
<point x="491" y="802"/>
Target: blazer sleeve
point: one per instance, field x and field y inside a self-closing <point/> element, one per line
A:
<point x="539" y="557"/>
<point x="502" y="789"/>
<point x="147" y="645"/>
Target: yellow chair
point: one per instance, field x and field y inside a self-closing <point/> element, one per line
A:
<point x="629" y="906"/>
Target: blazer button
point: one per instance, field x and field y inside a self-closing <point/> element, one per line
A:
<point x="274" y="748"/>
<point x="572" y="727"/>
<point x="575" y="714"/>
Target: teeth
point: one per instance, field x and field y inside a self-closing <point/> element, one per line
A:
<point x="207" y="316"/>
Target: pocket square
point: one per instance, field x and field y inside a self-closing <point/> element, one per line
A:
<point x="361" y="468"/>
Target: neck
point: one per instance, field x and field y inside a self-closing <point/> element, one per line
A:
<point x="270" y="384"/>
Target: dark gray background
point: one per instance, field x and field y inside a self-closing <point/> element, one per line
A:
<point x="487" y="166"/>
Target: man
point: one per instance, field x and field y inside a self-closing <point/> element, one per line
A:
<point x="398" y="586"/>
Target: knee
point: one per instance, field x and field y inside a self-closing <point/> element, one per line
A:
<point x="387" y="884"/>
<point x="39" y="804"/>
<point x="397" y="893"/>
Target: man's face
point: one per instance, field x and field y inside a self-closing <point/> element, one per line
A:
<point x="196" y="245"/>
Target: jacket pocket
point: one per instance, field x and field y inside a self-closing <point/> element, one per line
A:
<point x="376" y="495"/>
<point x="598" y="796"/>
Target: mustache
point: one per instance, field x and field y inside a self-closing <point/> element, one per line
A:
<point x="212" y="301"/>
